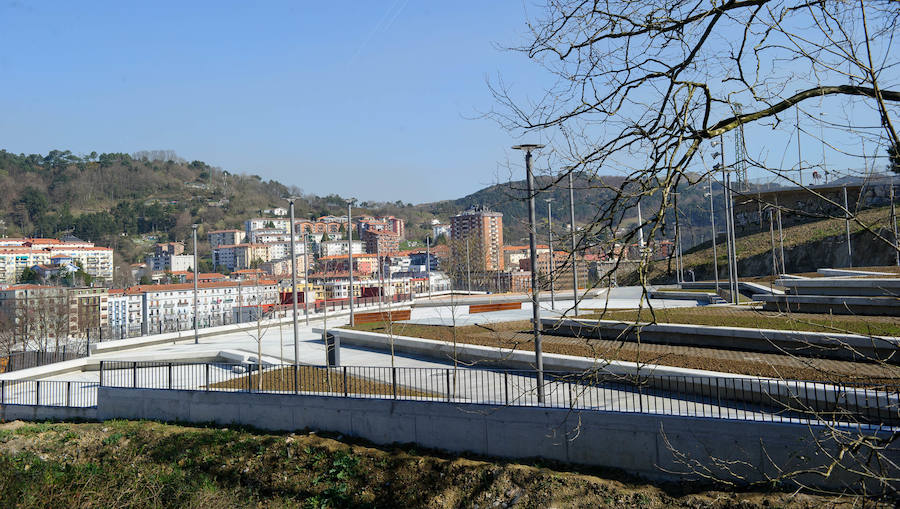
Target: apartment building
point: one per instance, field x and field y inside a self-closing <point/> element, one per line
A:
<point x="382" y="224"/>
<point x="225" y="238"/>
<point x="171" y="307"/>
<point x="339" y="247"/>
<point x="240" y="256"/>
<point x="484" y="228"/>
<point x="363" y="264"/>
<point x="381" y="241"/>
<point x="18" y="254"/>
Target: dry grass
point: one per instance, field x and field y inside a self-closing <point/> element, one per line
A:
<point x="757" y="319"/>
<point x="318" y="379"/>
<point x="147" y="464"/>
<point x="518" y="336"/>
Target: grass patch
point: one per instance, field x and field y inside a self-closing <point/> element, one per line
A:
<point x="317" y="379"/>
<point x="157" y="465"/>
<point x="757" y="319"/>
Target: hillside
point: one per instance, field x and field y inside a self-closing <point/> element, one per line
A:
<point x="146" y="464"/>
<point x="807" y="247"/>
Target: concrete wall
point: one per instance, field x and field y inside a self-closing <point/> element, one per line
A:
<point x="652" y="446"/>
<point x="44" y="413"/>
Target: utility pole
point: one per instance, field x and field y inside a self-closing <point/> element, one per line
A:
<point x="572" y="227"/>
<point x="712" y="220"/>
<point x="535" y="288"/>
<point x="550" y="249"/>
<point x="847" y="225"/>
<point x="350" y="254"/>
<point x="196" y="278"/>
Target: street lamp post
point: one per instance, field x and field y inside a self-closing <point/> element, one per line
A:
<point x="550" y="247"/>
<point x="294" y="295"/>
<point x="350" y="253"/>
<point x="305" y="275"/>
<point x="572" y="228"/>
<point x="712" y="220"/>
<point x="428" y="262"/>
<point x="196" y="278"/>
<point x="535" y="289"/>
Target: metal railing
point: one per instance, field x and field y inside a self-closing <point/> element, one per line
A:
<point x="757" y="399"/>
<point x="34" y="358"/>
<point x="48" y="393"/>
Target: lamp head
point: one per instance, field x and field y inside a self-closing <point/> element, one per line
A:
<point x="528" y="147"/>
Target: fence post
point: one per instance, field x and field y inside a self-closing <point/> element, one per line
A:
<point x="249" y="379"/>
<point x="2" y="392"/>
<point x="506" y="386"/>
<point x="37" y="392"/>
<point x="345" y="381"/>
<point x="394" y="381"/>
<point x="134" y="375"/>
<point x="447" y="370"/>
<point x="68" y="394"/>
<point x="207" y="376"/>
<point x="170" y="375"/>
<point x="296" y="377"/>
<point x="101" y="373"/>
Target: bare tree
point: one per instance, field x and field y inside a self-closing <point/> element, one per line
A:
<point x="644" y="89"/>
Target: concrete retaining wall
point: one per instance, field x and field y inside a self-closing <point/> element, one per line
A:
<point x="45" y="413"/>
<point x="640" y="444"/>
<point x="831" y="304"/>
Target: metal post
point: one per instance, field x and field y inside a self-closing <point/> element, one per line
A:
<point x="781" y="239"/>
<point x="640" y="230"/>
<point x="733" y="241"/>
<point x="468" y="267"/>
<point x="196" y="279"/>
<point x="725" y="188"/>
<point x="847" y="224"/>
<point x="572" y="228"/>
<point x="427" y="263"/>
<point x="550" y="248"/>
<point x="294" y="289"/>
<point x="712" y="220"/>
<point x="350" y="255"/>
<point x="535" y="288"/>
<point x="894" y="226"/>
<point x="772" y="235"/>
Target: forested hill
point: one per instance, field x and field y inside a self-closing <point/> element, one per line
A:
<point x="117" y="199"/>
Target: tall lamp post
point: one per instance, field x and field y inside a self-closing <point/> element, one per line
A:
<point x="350" y="253"/>
<point x="428" y="262"/>
<point x="294" y="294"/>
<point x="535" y="289"/>
<point x="196" y="277"/>
<point x="712" y="220"/>
<point x="572" y="227"/>
<point x="550" y="248"/>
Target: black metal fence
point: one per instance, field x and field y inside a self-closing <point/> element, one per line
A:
<point x="33" y="359"/>
<point x="758" y="399"/>
<point x="48" y="393"/>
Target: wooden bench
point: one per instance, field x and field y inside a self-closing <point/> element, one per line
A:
<point x="383" y="316"/>
<point x="501" y="306"/>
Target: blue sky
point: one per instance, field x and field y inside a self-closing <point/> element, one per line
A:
<point x="377" y="100"/>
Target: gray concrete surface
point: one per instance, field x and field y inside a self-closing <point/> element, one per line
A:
<point x="652" y="446"/>
<point x="831" y="304"/>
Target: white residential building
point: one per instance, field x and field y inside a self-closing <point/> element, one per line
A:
<point x="339" y="247"/>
